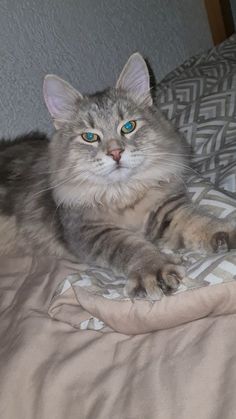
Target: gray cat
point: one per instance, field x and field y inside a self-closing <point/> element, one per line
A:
<point x="108" y="187"/>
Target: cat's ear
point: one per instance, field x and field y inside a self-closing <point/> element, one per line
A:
<point x="61" y="99"/>
<point x="135" y="79"/>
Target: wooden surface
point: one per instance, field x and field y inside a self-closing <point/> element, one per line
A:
<point x="220" y="19"/>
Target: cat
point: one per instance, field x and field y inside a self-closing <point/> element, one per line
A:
<point x="108" y="187"/>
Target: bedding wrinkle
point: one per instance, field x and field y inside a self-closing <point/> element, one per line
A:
<point x="65" y="370"/>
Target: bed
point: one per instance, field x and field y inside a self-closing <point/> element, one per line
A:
<point x="72" y="346"/>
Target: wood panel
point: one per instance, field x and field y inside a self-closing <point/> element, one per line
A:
<point x="220" y="19"/>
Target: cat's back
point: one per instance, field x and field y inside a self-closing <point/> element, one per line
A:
<point x="18" y="154"/>
<point x="19" y="165"/>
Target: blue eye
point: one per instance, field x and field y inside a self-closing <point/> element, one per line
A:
<point x="128" y="127"/>
<point x="90" y="137"/>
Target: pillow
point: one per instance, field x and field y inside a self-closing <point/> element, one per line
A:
<point x="196" y="77"/>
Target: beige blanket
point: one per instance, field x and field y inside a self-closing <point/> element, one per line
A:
<point x="93" y="299"/>
<point x="51" y="369"/>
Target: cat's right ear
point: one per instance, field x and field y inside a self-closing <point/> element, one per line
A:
<point x="61" y="99"/>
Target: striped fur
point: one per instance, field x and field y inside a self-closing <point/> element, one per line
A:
<point x="68" y="195"/>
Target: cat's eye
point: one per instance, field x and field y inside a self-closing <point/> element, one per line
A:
<point x="128" y="127"/>
<point x="90" y="137"/>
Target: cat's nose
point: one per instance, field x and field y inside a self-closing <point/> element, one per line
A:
<point x="115" y="154"/>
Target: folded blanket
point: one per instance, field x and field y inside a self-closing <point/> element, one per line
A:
<point x="93" y="299"/>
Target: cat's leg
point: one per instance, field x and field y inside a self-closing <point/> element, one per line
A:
<point x="149" y="271"/>
<point x="192" y="228"/>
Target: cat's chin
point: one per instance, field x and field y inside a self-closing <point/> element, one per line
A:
<point x="118" y="174"/>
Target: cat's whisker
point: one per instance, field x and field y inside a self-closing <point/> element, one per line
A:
<point x="180" y="165"/>
<point x="178" y="154"/>
<point x="145" y="148"/>
<point x="184" y="166"/>
<point x="173" y="171"/>
<point x="56" y="171"/>
<point x="67" y="180"/>
<point x="169" y="154"/>
<point x="62" y="169"/>
<point x="76" y="186"/>
<point x="54" y="214"/>
<point x="161" y="158"/>
<point x="173" y="164"/>
<point x="194" y="155"/>
<point x="53" y="186"/>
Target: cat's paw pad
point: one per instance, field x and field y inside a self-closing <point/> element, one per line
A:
<point x="220" y="242"/>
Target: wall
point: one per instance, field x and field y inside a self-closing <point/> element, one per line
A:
<point x="87" y="42"/>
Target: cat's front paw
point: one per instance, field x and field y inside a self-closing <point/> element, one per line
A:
<point x="153" y="284"/>
<point x="212" y="238"/>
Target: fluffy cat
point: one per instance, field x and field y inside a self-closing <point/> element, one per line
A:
<point x="107" y="187"/>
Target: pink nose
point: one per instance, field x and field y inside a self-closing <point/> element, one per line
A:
<point x="116" y="154"/>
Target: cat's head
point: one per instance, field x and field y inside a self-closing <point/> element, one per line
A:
<point x="111" y="144"/>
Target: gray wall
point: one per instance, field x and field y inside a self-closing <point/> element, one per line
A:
<point x="86" y="42"/>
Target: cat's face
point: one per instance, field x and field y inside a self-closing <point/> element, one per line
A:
<point x="109" y="139"/>
<point x="109" y="136"/>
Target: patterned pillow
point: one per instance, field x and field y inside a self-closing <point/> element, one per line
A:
<point x="195" y="78"/>
<point x="200" y="99"/>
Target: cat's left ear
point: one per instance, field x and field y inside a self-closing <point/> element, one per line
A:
<point x="135" y="79"/>
<point x="61" y="99"/>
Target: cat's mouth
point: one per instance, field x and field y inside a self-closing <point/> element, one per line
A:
<point x="119" y="166"/>
<point x="118" y="171"/>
